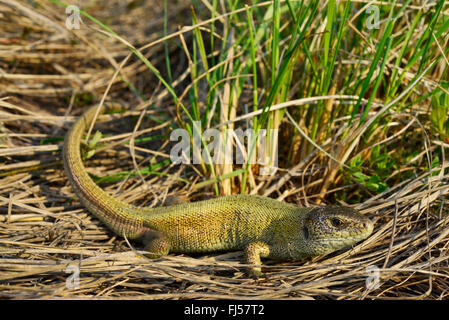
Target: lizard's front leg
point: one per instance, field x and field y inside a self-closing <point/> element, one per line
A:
<point x="253" y="252"/>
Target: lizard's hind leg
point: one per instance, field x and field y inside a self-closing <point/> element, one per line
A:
<point x="156" y="244"/>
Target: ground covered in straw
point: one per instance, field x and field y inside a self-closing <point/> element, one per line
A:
<point x="49" y="74"/>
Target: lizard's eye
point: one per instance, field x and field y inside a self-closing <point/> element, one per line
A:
<point x="335" y="222"/>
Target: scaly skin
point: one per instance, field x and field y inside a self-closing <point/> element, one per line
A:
<point x="262" y="227"/>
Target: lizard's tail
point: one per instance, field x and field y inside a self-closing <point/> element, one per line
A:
<point x="119" y="216"/>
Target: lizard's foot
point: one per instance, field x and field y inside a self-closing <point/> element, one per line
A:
<point x="255" y="273"/>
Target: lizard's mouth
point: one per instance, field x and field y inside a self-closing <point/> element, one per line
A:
<point x="325" y="244"/>
<point x="341" y="242"/>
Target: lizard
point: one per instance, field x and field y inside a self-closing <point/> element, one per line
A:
<point x="262" y="227"/>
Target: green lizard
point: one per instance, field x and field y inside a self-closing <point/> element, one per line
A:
<point x="261" y="226"/>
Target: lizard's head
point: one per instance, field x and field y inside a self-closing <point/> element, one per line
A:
<point x="330" y="228"/>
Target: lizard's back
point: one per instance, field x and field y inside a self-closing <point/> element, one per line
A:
<point x="222" y="223"/>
